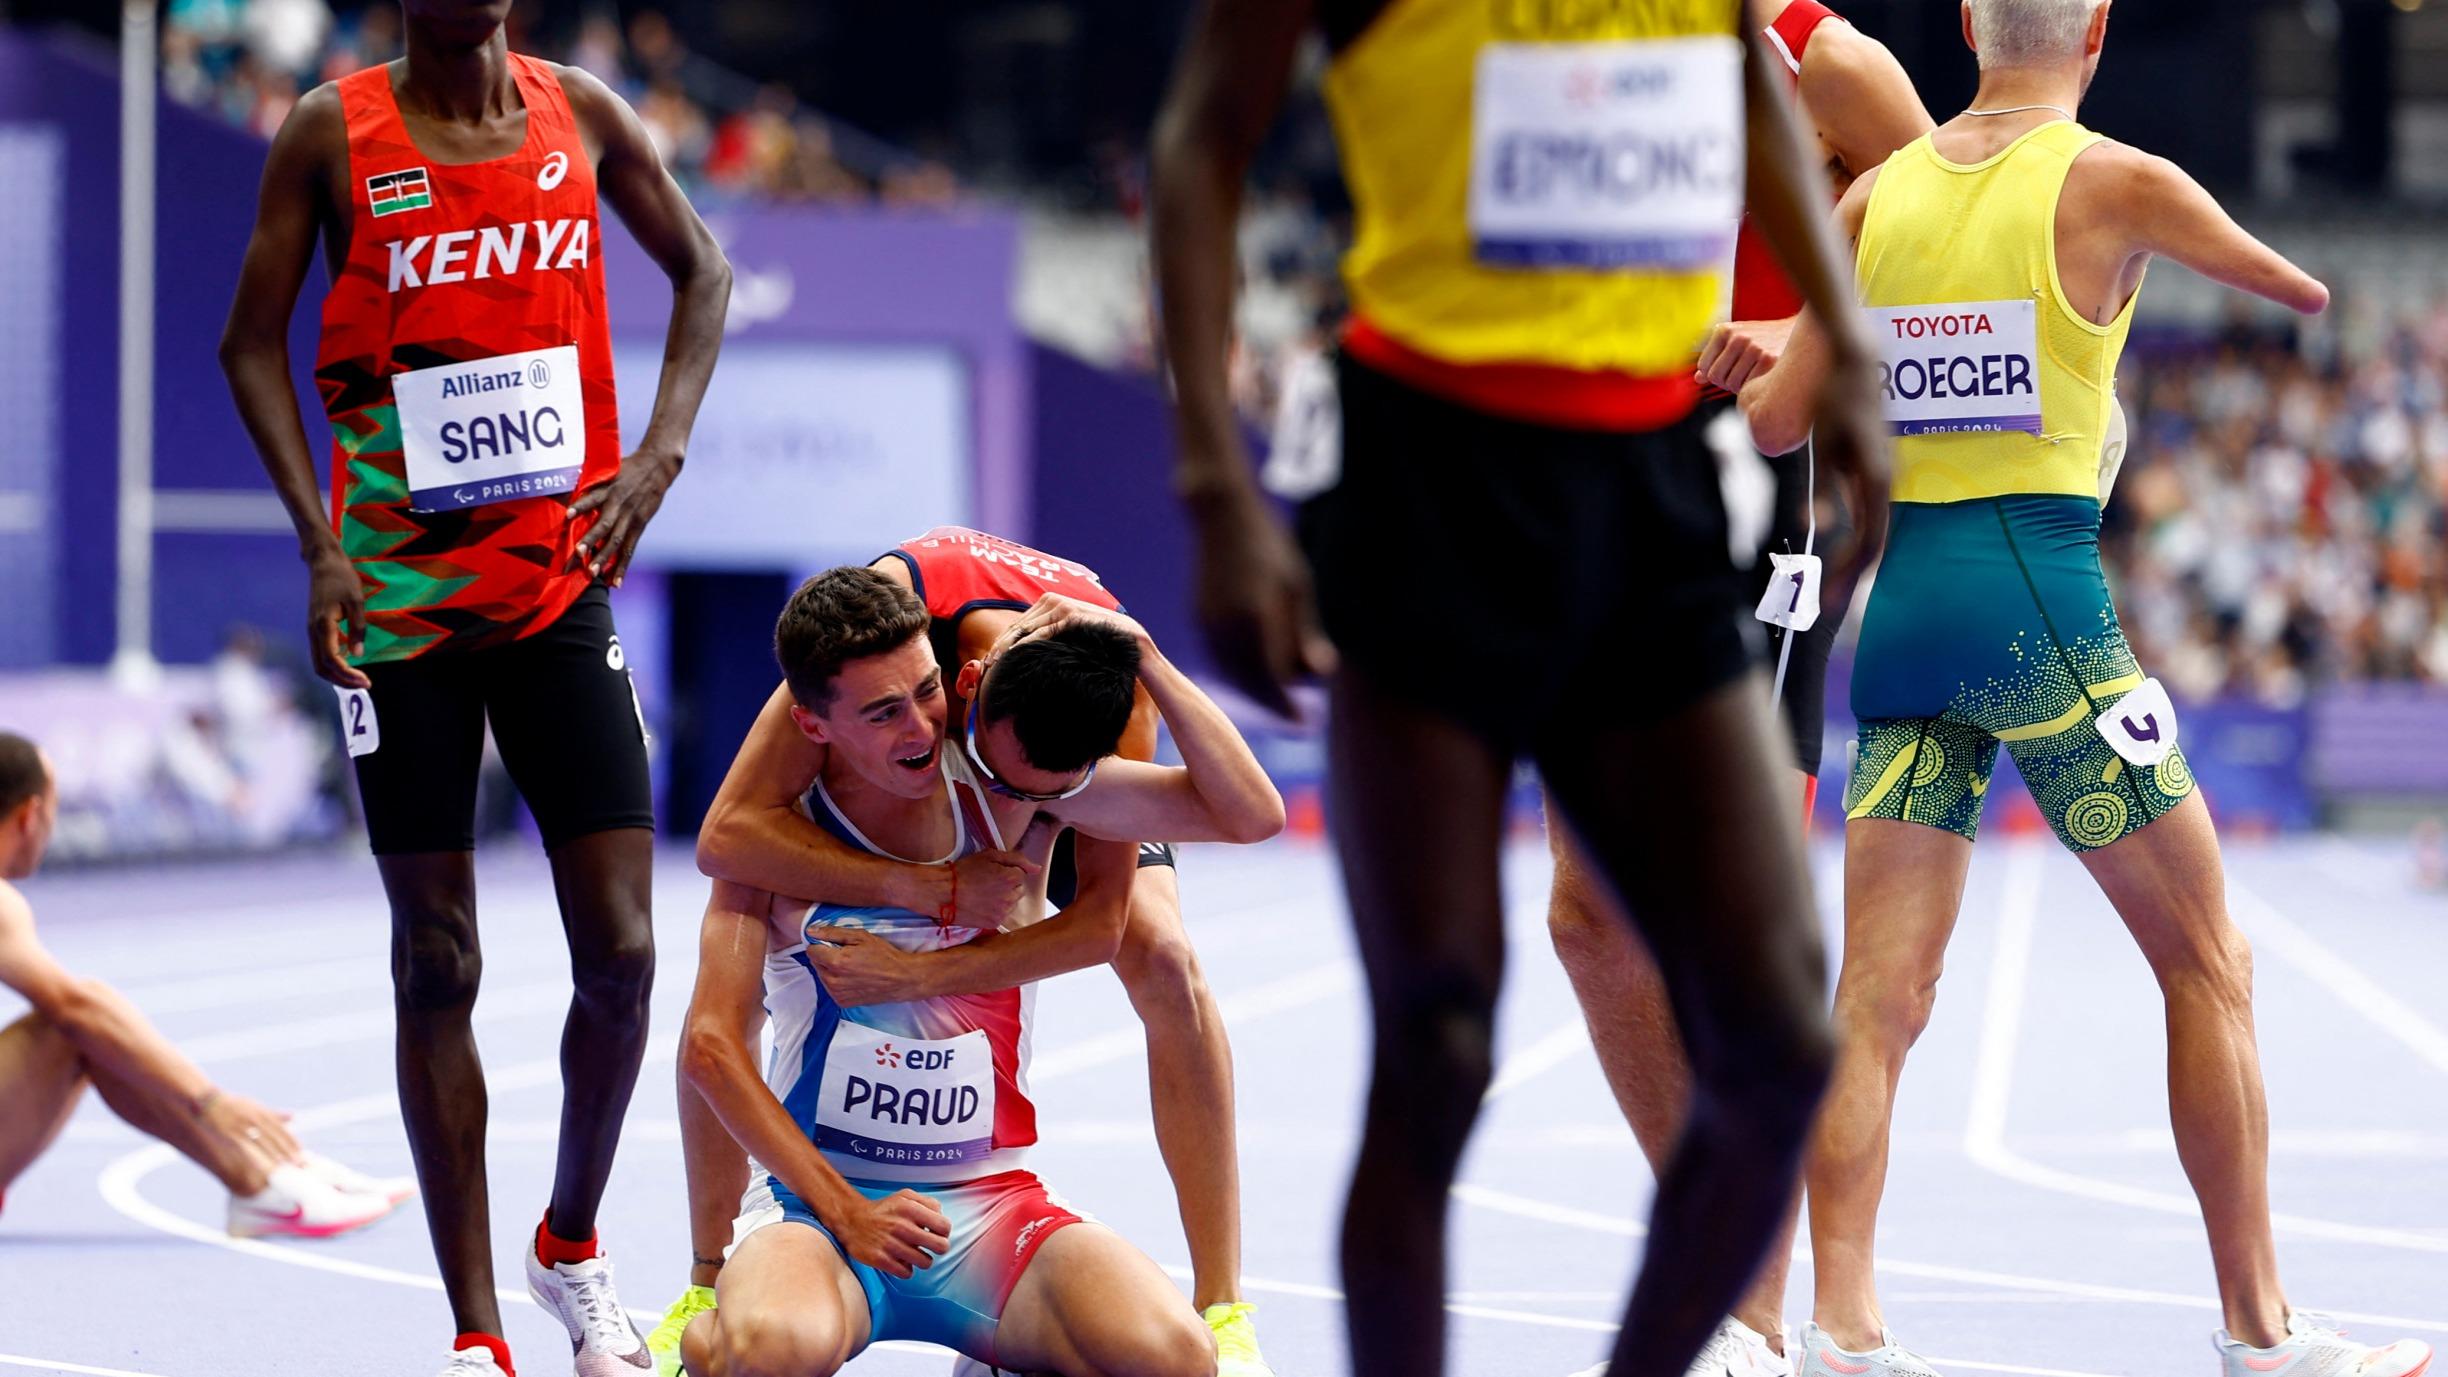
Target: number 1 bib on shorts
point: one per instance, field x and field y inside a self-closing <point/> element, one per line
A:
<point x="1606" y="156"/>
<point x="492" y="430"/>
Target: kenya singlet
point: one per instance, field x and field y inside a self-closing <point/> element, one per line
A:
<point x="466" y="369"/>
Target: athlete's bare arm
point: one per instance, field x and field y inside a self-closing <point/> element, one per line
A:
<point x="2121" y="206"/>
<point x="629" y="173"/>
<point x="1218" y="793"/>
<point x="107" y="1031"/>
<point x="295" y="207"/>
<point x="1776" y="403"/>
<point x="755" y="835"/>
<point x="1784" y="197"/>
<point x="862" y="968"/>
<point x="896" y="1235"/>
<point x="1859" y="98"/>
<point x="1252" y="586"/>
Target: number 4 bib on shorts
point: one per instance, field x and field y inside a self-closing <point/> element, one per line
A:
<point x="1607" y="156"/>
<point x="1960" y="366"/>
<point x="492" y="430"/>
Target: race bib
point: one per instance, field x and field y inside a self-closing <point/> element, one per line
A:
<point x="2141" y="728"/>
<point x="492" y="430"/>
<point x="906" y="1102"/>
<point x="1607" y="155"/>
<point x="1792" y="599"/>
<point x="1963" y="366"/>
<point x="359" y="728"/>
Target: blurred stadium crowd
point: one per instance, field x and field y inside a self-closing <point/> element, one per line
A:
<point x="722" y="134"/>
<point x="2282" y="523"/>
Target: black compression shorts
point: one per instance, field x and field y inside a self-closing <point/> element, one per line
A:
<point x="564" y="717"/>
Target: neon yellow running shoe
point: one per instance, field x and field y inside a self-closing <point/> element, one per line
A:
<point x="664" y="1342"/>
<point x="1236" y="1336"/>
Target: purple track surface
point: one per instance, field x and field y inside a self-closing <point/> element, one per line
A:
<point x="2036" y="1219"/>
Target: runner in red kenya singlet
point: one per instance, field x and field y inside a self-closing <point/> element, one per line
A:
<point x="481" y="508"/>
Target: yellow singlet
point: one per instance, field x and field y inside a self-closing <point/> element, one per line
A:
<point x="1974" y="247"/>
<point x="1545" y="182"/>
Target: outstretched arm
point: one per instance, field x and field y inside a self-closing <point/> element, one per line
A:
<point x="2173" y="217"/>
<point x="630" y="174"/>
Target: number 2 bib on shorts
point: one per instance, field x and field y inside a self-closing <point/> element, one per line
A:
<point x="492" y="430"/>
<point x="907" y="1102"/>
<point x="1609" y="155"/>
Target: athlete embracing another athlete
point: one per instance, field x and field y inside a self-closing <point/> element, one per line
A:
<point x="1999" y="260"/>
<point x="480" y="509"/>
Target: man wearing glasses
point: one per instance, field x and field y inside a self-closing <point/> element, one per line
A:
<point x="1118" y="904"/>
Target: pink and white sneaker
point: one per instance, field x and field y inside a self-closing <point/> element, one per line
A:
<point x="396" y="1189"/>
<point x="604" y="1341"/>
<point x="1821" y="1357"/>
<point x="2316" y="1347"/>
<point x="298" y="1203"/>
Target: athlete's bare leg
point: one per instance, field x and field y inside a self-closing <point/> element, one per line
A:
<point x="1631" y="1026"/>
<point x="41" y="1078"/>
<point x="1418" y="804"/>
<point x="1714" y="876"/>
<point x="604" y="882"/>
<point x="1903" y="887"/>
<point x="1190" y="1081"/>
<point x="1091" y="1305"/>
<point x="435" y="966"/>
<point x="2166" y="883"/>
<point x="790" y="1307"/>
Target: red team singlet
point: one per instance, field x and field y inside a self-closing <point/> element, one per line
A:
<point x="1762" y="291"/>
<point x="955" y="571"/>
<point x="466" y="369"/>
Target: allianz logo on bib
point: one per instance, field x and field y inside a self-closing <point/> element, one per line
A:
<point x="494" y="251"/>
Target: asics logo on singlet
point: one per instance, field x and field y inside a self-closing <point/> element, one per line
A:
<point x="554" y="169"/>
<point x="494" y="251"/>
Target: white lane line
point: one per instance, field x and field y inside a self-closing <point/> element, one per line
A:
<point x="316" y="1035"/>
<point x="54" y="1365"/>
<point x="1312" y="1291"/>
<point x="2275" y="932"/>
<point x="1571" y="1216"/>
<point x="259" y="983"/>
<point x="1561" y="1044"/>
<point x="1984" y="1139"/>
<point x="1238" y="1010"/>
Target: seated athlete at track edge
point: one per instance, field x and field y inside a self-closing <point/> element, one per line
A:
<point x="82" y="1033"/>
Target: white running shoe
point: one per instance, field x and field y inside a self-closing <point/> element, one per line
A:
<point x="1822" y="1358"/>
<point x="2316" y="1347"/>
<point x="604" y="1341"/>
<point x="298" y="1203"/>
<point x="1738" y="1350"/>
<point x="396" y="1189"/>
<point x="473" y="1362"/>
